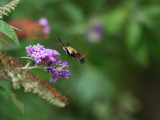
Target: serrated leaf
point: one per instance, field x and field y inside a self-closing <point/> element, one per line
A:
<point x="133" y="34"/>
<point x="18" y="103"/>
<point x="8" y="30"/>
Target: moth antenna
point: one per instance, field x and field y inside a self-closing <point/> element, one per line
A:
<point x="61" y="42"/>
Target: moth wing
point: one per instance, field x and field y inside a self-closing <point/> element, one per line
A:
<point x="78" y="56"/>
<point x="85" y="54"/>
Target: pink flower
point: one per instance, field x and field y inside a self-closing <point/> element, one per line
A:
<point x="43" y="22"/>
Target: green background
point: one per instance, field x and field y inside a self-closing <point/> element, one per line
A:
<point x="120" y="79"/>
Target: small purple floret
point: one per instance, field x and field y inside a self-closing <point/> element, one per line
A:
<point x="57" y="73"/>
<point x="95" y="34"/>
<point x="46" y="30"/>
<point x="43" y="21"/>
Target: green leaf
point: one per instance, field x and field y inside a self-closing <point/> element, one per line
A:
<point x="98" y="4"/>
<point x="114" y="20"/>
<point x="41" y="1"/>
<point x="73" y="12"/>
<point x="18" y="103"/>
<point x="5" y="85"/>
<point x="8" y="30"/>
<point x="7" y="91"/>
<point x="4" y="88"/>
<point x="3" y="40"/>
<point x="15" y="28"/>
<point x="141" y="56"/>
<point x="133" y="34"/>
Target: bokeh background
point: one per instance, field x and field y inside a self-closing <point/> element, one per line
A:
<point x="120" y="79"/>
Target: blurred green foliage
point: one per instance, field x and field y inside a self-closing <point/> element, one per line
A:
<point x="120" y="78"/>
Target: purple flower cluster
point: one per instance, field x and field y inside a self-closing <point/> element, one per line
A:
<point x="40" y="54"/>
<point x="47" y="57"/>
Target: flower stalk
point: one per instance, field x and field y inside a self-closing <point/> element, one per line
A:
<point x="22" y="78"/>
